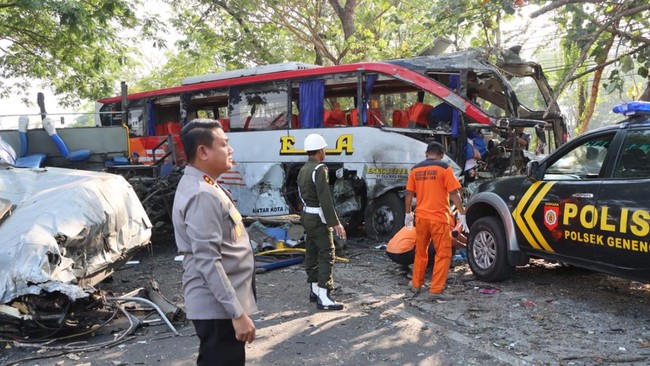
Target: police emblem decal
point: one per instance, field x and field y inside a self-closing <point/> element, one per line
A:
<point x="551" y="212"/>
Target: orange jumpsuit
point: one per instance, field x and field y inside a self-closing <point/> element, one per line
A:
<point x="431" y="181"/>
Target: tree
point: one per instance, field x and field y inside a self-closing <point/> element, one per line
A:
<point x="603" y="33"/>
<point x="230" y="34"/>
<point x="77" y="47"/>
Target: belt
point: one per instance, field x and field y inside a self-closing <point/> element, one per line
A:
<point x="311" y="210"/>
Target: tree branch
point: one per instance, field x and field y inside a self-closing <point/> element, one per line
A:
<point x="558" y="4"/>
<point x="604" y="64"/>
<point x="585" y="49"/>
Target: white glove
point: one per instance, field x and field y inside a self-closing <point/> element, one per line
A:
<point x="462" y="222"/>
<point x="408" y="220"/>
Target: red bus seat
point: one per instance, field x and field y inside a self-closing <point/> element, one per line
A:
<point x="225" y="124"/>
<point x="419" y="113"/>
<point x="334" y="118"/>
<point x="352" y="118"/>
<point x="400" y="118"/>
<point x="375" y="118"/>
<point x="167" y="128"/>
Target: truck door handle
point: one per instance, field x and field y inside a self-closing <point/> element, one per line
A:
<point x="582" y="195"/>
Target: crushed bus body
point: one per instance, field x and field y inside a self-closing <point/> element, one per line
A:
<point x="375" y="116"/>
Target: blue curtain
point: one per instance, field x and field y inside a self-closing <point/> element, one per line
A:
<point x="151" y="127"/>
<point x="454" y="84"/>
<point x="370" y="82"/>
<point x="311" y="106"/>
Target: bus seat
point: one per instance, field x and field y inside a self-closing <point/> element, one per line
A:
<point x="168" y="128"/>
<point x="295" y="122"/>
<point x="419" y="113"/>
<point x="225" y="124"/>
<point x="338" y="115"/>
<point x="28" y="160"/>
<point x="77" y="156"/>
<point x="334" y="118"/>
<point x="352" y="118"/>
<point x="400" y="118"/>
<point x="327" y="118"/>
<point x="375" y="117"/>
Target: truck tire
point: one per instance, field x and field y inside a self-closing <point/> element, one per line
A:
<point x="487" y="251"/>
<point x="384" y="216"/>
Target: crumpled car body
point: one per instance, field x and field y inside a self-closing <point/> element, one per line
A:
<point x="66" y="230"/>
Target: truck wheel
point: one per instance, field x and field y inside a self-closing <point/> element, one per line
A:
<point x="487" y="250"/>
<point x="384" y="216"/>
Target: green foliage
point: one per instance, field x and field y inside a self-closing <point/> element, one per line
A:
<point x="590" y="25"/>
<point x="77" y="47"/>
<point x="244" y="33"/>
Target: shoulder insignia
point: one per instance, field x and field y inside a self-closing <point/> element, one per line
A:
<point x="208" y="180"/>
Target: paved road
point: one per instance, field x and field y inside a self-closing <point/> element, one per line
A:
<point x="546" y="315"/>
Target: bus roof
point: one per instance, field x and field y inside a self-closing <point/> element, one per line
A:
<point x="259" y="70"/>
<point x="395" y="71"/>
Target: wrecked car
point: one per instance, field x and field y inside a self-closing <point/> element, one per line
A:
<point x="62" y="231"/>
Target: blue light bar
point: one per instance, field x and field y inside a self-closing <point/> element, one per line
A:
<point x="632" y="108"/>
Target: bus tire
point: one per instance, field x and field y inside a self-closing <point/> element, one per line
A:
<point x="384" y="216"/>
<point x="487" y="252"/>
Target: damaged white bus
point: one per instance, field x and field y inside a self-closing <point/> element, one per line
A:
<point x="374" y="117"/>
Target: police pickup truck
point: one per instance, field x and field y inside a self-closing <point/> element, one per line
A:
<point x="587" y="204"/>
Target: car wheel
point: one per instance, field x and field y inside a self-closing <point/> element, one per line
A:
<point x="487" y="250"/>
<point x="384" y="216"/>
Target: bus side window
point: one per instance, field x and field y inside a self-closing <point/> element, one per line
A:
<point x="258" y="107"/>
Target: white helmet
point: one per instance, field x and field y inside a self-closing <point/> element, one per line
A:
<point x="314" y="142"/>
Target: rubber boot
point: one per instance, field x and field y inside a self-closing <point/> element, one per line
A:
<point x="325" y="302"/>
<point x="313" y="290"/>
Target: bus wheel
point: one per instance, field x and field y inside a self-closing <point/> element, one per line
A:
<point x="384" y="216"/>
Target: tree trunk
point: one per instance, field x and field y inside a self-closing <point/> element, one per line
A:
<point x="646" y="93"/>
<point x="595" y="87"/>
<point x="346" y="15"/>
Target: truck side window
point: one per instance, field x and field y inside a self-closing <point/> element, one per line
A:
<point x="635" y="160"/>
<point x="584" y="161"/>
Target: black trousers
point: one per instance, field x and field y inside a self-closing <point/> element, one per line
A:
<point x="219" y="347"/>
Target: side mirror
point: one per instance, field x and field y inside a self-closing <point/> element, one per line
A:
<point x="534" y="171"/>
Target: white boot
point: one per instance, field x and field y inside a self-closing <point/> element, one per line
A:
<point x="325" y="302"/>
<point x="313" y="291"/>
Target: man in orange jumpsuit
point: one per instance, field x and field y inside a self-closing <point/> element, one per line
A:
<point x="433" y="183"/>
<point x="401" y="248"/>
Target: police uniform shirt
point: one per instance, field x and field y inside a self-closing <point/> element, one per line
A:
<point x="219" y="264"/>
<point x="317" y="194"/>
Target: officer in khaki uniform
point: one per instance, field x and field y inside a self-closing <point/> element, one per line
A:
<point x="218" y="263"/>
<point x="320" y="221"/>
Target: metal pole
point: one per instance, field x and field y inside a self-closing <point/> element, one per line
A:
<point x="40" y="99"/>
<point x="125" y="102"/>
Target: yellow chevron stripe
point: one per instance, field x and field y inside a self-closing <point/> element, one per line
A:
<point x="517" y="214"/>
<point x="529" y="216"/>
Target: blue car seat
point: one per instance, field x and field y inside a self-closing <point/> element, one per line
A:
<point x="8" y="156"/>
<point x="25" y="160"/>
